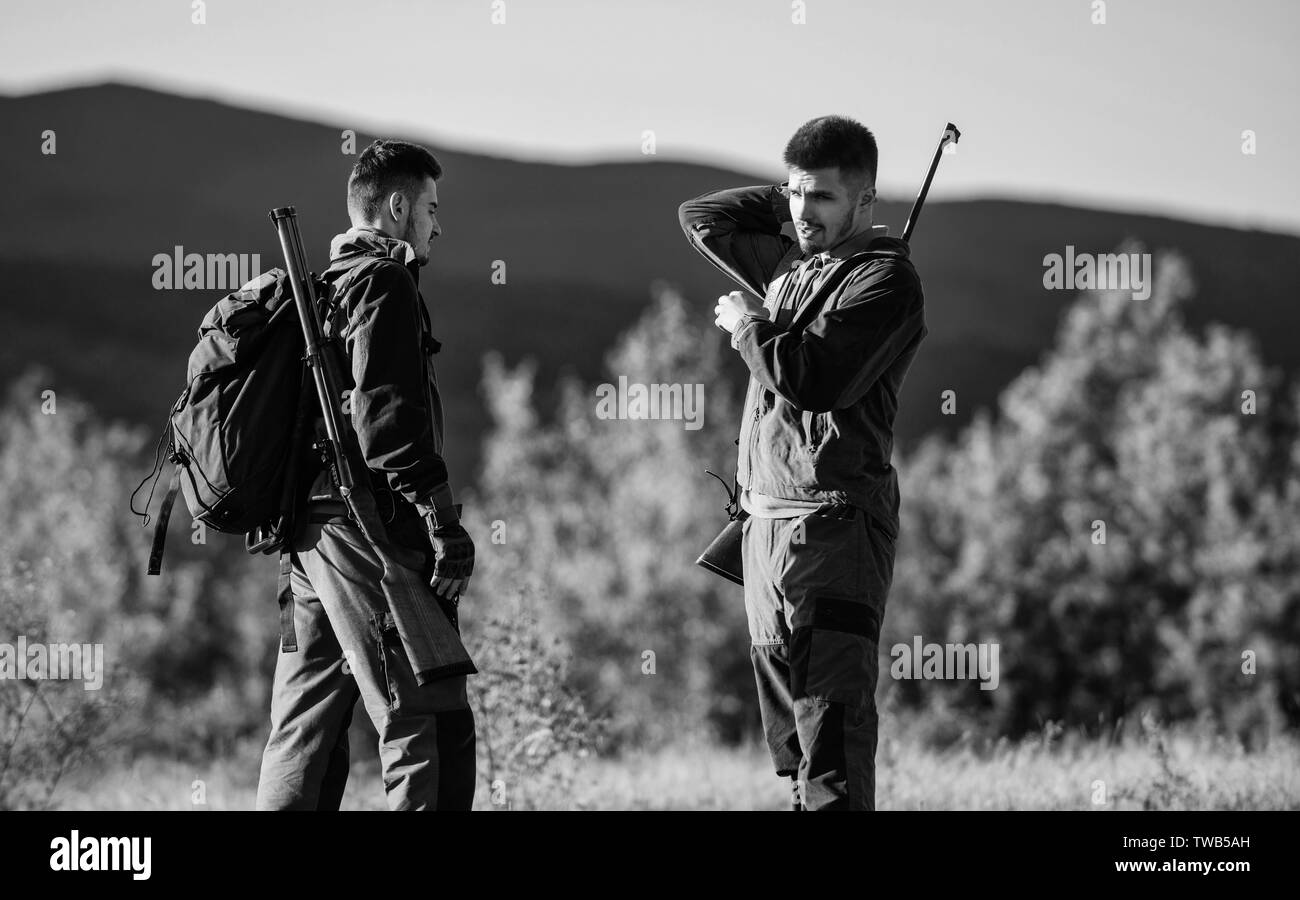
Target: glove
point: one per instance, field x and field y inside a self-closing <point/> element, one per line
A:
<point x="453" y="550"/>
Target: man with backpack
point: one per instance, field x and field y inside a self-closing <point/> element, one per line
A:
<point x="827" y="353"/>
<point x="339" y="640"/>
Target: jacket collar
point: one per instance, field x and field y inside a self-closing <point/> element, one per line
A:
<point x="368" y="242"/>
<point x="856" y="244"/>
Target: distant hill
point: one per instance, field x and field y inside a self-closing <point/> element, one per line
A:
<point x="139" y="171"/>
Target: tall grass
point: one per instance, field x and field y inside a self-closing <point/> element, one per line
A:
<point x="1156" y="767"/>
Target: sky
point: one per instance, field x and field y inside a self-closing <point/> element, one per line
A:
<point x="1142" y="113"/>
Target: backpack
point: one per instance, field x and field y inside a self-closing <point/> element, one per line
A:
<point x="234" y="432"/>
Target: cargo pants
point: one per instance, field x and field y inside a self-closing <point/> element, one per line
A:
<point x="815" y="591"/>
<point x="347" y="647"/>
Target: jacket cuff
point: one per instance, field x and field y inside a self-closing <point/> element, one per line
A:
<point x="438" y="499"/>
<point x="746" y="327"/>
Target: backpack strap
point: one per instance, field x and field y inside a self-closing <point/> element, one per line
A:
<point x="820" y="296"/>
<point x="349" y="272"/>
<point x="164" y="516"/>
<point x="284" y="595"/>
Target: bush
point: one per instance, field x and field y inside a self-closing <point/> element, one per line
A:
<point x="533" y="727"/>
<point x="48" y="726"/>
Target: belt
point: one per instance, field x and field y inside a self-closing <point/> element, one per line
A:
<point x="843" y="511"/>
<point x="324" y="510"/>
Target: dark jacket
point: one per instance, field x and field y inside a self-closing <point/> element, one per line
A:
<point x="819" y="415"/>
<point x="392" y="391"/>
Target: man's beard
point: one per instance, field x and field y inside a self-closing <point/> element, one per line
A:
<point x="421" y="257"/>
<point x="823" y="239"/>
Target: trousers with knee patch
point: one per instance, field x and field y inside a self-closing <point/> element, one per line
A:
<point x="815" y="591"/>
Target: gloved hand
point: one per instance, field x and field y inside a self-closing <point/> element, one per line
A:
<point x="453" y="550"/>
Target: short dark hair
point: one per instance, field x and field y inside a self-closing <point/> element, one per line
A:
<point x="385" y="167"/>
<point x="834" y="141"/>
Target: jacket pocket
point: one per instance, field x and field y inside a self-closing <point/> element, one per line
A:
<point x="814" y="431"/>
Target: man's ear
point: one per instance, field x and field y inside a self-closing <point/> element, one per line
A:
<point x="397" y="207"/>
<point x="868" y="196"/>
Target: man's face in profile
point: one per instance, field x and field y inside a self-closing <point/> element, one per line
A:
<point x="825" y="207"/>
<point x="422" y="223"/>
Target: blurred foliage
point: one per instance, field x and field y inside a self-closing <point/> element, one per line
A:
<point x="1130" y="420"/>
<point x="189" y="648"/>
<point x="1136" y="423"/>
<point x="598" y="522"/>
<point x="533" y="726"/>
<point x="48" y="725"/>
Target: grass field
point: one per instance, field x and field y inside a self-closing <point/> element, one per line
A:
<point x="1165" y="769"/>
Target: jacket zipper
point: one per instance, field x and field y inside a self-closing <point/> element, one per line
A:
<point x="753" y="437"/>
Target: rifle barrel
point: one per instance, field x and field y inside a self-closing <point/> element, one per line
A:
<point x="322" y="368"/>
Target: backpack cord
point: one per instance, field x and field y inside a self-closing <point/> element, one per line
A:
<point x="188" y="450"/>
<point x="155" y="473"/>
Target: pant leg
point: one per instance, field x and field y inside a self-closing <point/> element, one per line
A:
<point x="836" y="576"/>
<point x="336" y="773"/>
<point x="769" y="637"/>
<point x="305" y="763"/>
<point x="426" y="733"/>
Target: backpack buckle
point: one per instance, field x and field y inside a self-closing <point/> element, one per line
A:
<point x="265" y="538"/>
